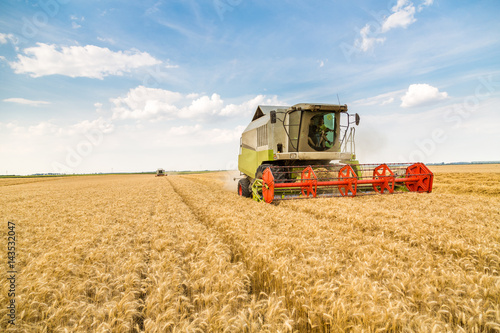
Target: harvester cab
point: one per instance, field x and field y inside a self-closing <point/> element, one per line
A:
<point x="308" y="150"/>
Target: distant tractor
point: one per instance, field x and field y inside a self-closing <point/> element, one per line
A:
<point x="160" y="172"/>
<point x="286" y="152"/>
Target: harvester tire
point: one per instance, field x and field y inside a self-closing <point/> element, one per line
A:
<point x="260" y="170"/>
<point x="244" y="188"/>
<point x="278" y="173"/>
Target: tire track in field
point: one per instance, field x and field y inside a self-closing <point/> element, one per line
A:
<point x="236" y="251"/>
<point x="266" y="277"/>
<point x="210" y="285"/>
<point x="262" y="282"/>
<point x="144" y="282"/>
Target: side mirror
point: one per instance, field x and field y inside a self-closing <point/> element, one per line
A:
<point x="357" y="119"/>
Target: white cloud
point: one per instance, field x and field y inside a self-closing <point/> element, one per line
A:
<point x="4" y="38"/>
<point x="425" y="3"/>
<point x="42" y="146"/>
<point x="171" y="66"/>
<point x="248" y="107"/>
<point x="146" y="103"/>
<point x="202" y="106"/>
<point x="367" y="43"/>
<point x="220" y="136"/>
<point x="403" y="15"/>
<point x="387" y="101"/>
<point x="48" y="128"/>
<point x="26" y="101"/>
<point x="87" y="126"/>
<point x="74" y="19"/>
<point x="415" y="95"/>
<point x="184" y="130"/>
<point x="106" y="40"/>
<point x="380" y="100"/>
<point x="198" y="136"/>
<point x="422" y="94"/>
<point x="142" y="103"/>
<point x="43" y="128"/>
<point x="79" y="61"/>
<point x="192" y="95"/>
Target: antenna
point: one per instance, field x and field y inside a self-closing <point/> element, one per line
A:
<point x="338" y="98"/>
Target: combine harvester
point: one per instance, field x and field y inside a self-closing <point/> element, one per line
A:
<point x="288" y="153"/>
<point x="160" y="172"/>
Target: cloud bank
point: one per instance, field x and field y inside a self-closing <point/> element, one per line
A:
<point x="143" y="103"/>
<point x="79" y="61"/>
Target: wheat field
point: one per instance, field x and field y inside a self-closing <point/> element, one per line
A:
<point x="184" y="253"/>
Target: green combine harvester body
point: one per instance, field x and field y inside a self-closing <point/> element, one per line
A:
<point x="301" y="147"/>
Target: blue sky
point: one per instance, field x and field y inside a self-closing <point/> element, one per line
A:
<point x="100" y="86"/>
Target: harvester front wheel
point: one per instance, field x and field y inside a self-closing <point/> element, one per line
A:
<point x="244" y="188"/>
<point x="260" y="170"/>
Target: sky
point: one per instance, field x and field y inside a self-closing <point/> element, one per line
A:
<point x="128" y="86"/>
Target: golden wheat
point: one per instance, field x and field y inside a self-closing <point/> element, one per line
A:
<point x="181" y="253"/>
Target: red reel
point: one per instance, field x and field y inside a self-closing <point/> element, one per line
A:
<point x="422" y="176"/>
<point x="268" y="185"/>
<point x="309" y="182"/>
<point x="348" y="175"/>
<point x="384" y="173"/>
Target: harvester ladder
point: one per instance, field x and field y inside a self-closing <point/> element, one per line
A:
<point x="348" y="144"/>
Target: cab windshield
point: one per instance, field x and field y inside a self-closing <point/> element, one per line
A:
<point x="322" y="131"/>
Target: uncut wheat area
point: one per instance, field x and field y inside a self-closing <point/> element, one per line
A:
<point x="182" y="253"/>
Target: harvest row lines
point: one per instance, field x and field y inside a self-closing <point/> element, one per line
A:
<point x="350" y="251"/>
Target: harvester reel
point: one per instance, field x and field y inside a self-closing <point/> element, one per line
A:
<point x="268" y="185"/>
<point x="278" y="182"/>
<point x="424" y="178"/>
<point x="383" y="172"/>
<point x="347" y="174"/>
<point x="310" y="181"/>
